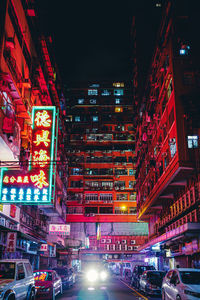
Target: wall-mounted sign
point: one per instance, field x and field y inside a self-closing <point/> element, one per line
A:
<point x="59" y="229"/>
<point x="11" y="241"/>
<point x="44" y="247"/>
<point x="35" y="185"/>
<point x="53" y="251"/>
<point x="11" y="211"/>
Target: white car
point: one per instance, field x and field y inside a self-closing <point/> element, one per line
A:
<point x="181" y="284"/>
<point x="16" y="280"/>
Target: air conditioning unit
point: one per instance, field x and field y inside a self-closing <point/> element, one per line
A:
<point x="133" y="242"/>
<point x="118" y="247"/>
<point x="135" y="247"/>
<point x="108" y="241"/>
<point x="112" y="247"/>
<point x="103" y="241"/>
<point x="107" y="247"/>
<point x="123" y="241"/>
<point x="130" y="248"/>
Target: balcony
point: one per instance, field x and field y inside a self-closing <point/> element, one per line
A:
<point x="163" y="187"/>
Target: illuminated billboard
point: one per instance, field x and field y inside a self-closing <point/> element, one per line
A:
<point x="34" y="186"/>
<point x="59" y="229"/>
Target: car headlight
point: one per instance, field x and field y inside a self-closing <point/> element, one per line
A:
<point x="92" y="275"/>
<point x="191" y="293"/>
<point x="103" y="275"/>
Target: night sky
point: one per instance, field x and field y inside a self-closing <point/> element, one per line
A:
<point x="92" y="38"/>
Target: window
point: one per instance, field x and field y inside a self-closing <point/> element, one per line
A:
<point x="75" y="171"/>
<point x="122" y="197"/>
<point x="106" y="210"/>
<point x="192" y="141"/>
<point x="118" y="84"/>
<point x="118" y="109"/>
<point x="28" y="269"/>
<point x="131" y="172"/>
<point x="20" y="272"/>
<point x="93" y="101"/>
<point x="166" y="161"/>
<point x="131" y="184"/>
<point x="77" y="118"/>
<point x="120" y="211"/>
<point x="184" y="50"/>
<point x="80" y="101"/>
<point x="117" y="101"/>
<point x="91" y="197"/>
<point x="91" y="210"/>
<point x="95" y="118"/>
<point x="7" y="270"/>
<point x="133" y="197"/>
<point x="118" y="92"/>
<point x="105" y="93"/>
<point x="106" y="197"/>
<point x="121" y="172"/>
<point x="172" y="146"/>
<point x="93" y="92"/>
<point x="133" y="210"/>
<point x="169" y="89"/>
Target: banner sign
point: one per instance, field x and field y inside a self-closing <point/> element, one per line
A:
<point x="33" y="186"/>
<point x="59" y="229"/>
<point x="11" y="241"/>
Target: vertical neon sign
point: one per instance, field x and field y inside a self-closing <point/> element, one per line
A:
<point x="34" y="186"/>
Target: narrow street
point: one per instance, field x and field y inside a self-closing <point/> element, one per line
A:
<point x="114" y="290"/>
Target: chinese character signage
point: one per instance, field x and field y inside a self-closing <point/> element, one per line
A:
<point x="11" y="241"/>
<point x="44" y="247"/>
<point x="59" y="229"/>
<point x="34" y="186"/>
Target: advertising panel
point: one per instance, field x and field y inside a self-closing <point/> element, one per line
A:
<point x="59" y="229"/>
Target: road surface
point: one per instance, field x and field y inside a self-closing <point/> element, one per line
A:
<point x="115" y="290"/>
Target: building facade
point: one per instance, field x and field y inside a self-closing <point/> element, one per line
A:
<point x="167" y="141"/>
<point x="28" y="78"/>
<point x="100" y="143"/>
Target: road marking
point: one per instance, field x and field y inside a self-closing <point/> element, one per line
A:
<point x="134" y="290"/>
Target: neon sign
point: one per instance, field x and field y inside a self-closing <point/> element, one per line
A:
<point x="35" y="185"/>
<point x="59" y="229"/>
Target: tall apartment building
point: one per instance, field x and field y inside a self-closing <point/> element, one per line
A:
<point x="101" y="198"/>
<point x="167" y="140"/>
<point x="27" y="79"/>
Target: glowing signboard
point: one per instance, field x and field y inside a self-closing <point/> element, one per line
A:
<point x="59" y="229"/>
<point x="33" y="186"/>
